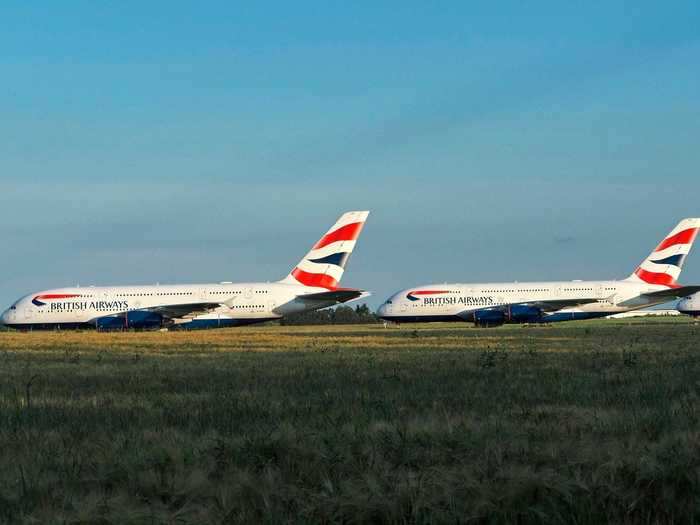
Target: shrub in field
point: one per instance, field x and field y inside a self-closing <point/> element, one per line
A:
<point x="360" y="314"/>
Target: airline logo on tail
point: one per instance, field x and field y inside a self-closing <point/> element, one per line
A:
<point x="664" y="265"/>
<point x="324" y="265"/>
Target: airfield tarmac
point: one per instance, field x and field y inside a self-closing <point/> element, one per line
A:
<point x="588" y="422"/>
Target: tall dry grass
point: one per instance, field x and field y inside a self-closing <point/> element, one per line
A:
<point x="579" y="423"/>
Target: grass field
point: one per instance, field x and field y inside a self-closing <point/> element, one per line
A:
<point x="576" y="423"/>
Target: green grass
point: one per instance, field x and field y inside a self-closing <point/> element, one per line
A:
<point x="585" y="423"/>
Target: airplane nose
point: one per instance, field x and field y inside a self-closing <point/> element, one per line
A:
<point x="382" y="311"/>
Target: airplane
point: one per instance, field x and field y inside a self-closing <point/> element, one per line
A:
<point x="493" y="304"/>
<point x="312" y="284"/>
<point x="690" y="305"/>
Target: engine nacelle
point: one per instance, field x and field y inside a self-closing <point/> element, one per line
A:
<point x="523" y="313"/>
<point x="489" y="317"/>
<point x="138" y="319"/>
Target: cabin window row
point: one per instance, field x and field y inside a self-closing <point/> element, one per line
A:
<point x="529" y="290"/>
<point x="249" y="306"/>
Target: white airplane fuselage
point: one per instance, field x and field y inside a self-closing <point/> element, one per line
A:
<point x="112" y="306"/>
<point x="463" y="302"/>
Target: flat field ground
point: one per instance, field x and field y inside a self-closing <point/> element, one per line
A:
<point x="588" y="423"/>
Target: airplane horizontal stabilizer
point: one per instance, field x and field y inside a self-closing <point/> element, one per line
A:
<point x="338" y="296"/>
<point x="674" y="293"/>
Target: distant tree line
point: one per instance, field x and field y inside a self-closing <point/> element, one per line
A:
<point x="360" y="314"/>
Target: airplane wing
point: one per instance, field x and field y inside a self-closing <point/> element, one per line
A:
<point x="176" y="311"/>
<point x="546" y="306"/>
<point x="674" y="293"/>
<point x="342" y="295"/>
<point x="172" y="311"/>
<point x="557" y="304"/>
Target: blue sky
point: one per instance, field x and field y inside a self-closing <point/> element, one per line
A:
<point x="194" y="142"/>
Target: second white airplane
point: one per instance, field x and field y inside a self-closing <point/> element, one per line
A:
<point x="690" y="306"/>
<point x="311" y="285"/>
<point x="491" y="304"/>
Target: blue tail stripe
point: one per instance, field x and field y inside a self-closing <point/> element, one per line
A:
<point x="675" y="260"/>
<point x="338" y="259"/>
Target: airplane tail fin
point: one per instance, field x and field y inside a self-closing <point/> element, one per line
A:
<point x="324" y="265"/>
<point x="664" y="264"/>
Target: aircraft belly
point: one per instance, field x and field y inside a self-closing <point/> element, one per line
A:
<point x="598" y="307"/>
<point x="63" y="317"/>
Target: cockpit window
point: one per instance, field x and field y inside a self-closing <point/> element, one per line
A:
<point x="389" y="302"/>
<point x="13" y="307"/>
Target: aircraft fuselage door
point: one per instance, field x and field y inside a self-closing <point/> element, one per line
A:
<point x="601" y="293"/>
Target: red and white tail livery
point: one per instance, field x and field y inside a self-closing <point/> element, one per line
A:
<point x="324" y="265"/>
<point x="664" y="264"/>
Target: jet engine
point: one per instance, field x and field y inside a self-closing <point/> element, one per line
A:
<point x="489" y="317"/>
<point x="137" y="319"/>
<point x="523" y="313"/>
